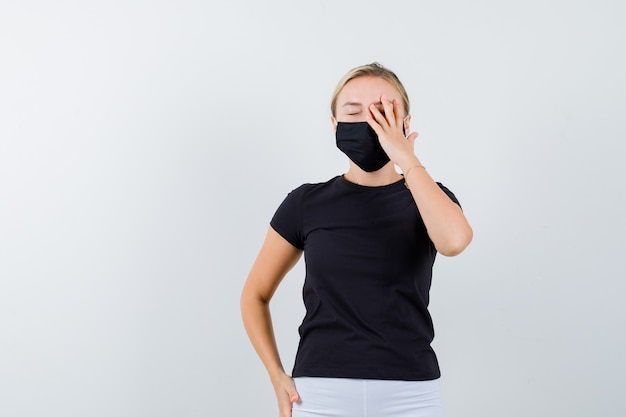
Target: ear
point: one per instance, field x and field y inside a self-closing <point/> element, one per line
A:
<point x="407" y="123"/>
<point x="334" y="122"/>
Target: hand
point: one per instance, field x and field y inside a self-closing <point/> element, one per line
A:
<point x="388" y="127"/>
<point x="286" y="394"/>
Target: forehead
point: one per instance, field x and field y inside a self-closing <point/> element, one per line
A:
<point x="367" y="89"/>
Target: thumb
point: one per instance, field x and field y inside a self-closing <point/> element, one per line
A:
<point x="293" y="395"/>
<point x="411" y="138"/>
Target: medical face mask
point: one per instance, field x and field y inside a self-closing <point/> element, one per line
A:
<point x="360" y="143"/>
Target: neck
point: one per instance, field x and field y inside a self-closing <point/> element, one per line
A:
<point x="384" y="176"/>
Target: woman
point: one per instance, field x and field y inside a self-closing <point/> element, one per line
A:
<point x="370" y="238"/>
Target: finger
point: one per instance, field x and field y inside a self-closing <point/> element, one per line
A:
<point x="389" y="110"/>
<point x="378" y="116"/>
<point x="411" y="138"/>
<point x="285" y="408"/>
<point x="397" y="113"/>
<point x="374" y="125"/>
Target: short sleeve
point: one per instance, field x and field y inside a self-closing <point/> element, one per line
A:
<point x="287" y="220"/>
<point x="449" y="193"/>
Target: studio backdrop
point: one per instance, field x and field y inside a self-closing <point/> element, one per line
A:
<point x="145" y="145"/>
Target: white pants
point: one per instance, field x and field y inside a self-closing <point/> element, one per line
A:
<point x="346" y="397"/>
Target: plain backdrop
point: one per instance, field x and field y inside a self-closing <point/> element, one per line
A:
<point x="144" y="146"/>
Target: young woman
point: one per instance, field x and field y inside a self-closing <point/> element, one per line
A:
<point x="369" y="238"/>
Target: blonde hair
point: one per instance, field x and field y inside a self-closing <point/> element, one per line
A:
<point x="374" y="70"/>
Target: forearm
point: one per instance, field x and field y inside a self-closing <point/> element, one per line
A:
<point x="258" y="323"/>
<point x="445" y="222"/>
<point x="276" y="258"/>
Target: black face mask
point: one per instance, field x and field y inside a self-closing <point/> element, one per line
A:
<point x="360" y="143"/>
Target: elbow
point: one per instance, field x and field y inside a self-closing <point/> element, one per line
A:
<point x="456" y="244"/>
<point x="250" y="305"/>
<point x="251" y="298"/>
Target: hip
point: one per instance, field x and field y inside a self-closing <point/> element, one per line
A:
<point x="348" y="397"/>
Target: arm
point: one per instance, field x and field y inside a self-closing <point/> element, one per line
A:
<point x="445" y="222"/>
<point x="276" y="258"/>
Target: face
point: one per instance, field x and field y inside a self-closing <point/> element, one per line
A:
<point x="356" y="96"/>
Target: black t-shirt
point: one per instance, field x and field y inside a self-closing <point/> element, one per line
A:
<point x="368" y="274"/>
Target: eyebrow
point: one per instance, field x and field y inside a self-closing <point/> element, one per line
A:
<point x="356" y="103"/>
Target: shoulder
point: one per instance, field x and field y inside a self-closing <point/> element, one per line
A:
<point x="308" y="189"/>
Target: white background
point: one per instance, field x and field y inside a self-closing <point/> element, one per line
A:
<point x="144" y="146"/>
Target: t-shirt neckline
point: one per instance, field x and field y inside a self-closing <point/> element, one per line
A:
<point x="342" y="180"/>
